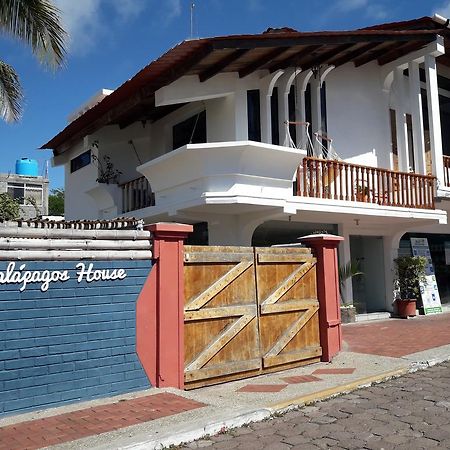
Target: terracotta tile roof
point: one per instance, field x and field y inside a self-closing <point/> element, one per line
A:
<point x="274" y="49"/>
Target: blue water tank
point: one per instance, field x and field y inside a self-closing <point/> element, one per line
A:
<point x="28" y="167"/>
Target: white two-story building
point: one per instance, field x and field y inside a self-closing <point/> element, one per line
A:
<point x="259" y="139"/>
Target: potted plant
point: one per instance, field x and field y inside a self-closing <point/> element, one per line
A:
<point x="347" y="271"/>
<point x="362" y="193"/>
<point x="410" y="272"/>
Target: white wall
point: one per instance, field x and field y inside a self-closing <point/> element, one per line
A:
<point x="358" y="116"/>
<point x="79" y="205"/>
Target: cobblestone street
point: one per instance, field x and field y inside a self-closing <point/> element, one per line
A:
<point x="411" y="412"/>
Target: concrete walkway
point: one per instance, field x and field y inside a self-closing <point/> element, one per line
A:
<point x="162" y="417"/>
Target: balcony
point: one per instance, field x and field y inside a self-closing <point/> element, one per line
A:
<point x="136" y="194"/>
<point x="338" y="180"/>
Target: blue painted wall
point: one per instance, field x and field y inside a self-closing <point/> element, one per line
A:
<point x="76" y="341"/>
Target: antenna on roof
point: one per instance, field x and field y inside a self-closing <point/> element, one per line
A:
<point x="192" y="19"/>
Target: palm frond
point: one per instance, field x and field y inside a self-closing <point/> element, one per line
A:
<point x="349" y="270"/>
<point x="11" y="95"/>
<point x="38" y="24"/>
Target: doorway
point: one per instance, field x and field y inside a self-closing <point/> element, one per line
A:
<point x="368" y="290"/>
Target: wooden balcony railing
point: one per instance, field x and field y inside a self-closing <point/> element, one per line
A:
<point x="447" y="170"/>
<point x="136" y="194"/>
<point x="339" y="180"/>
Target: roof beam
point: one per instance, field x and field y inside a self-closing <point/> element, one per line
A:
<point x="222" y="64"/>
<point x="434" y="48"/>
<point x="147" y="114"/>
<point x="370" y="56"/>
<point x="258" y="63"/>
<point x="397" y="52"/>
<point x="354" y="54"/>
<point x="294" y="59"/>
<point x="326" y="56"/>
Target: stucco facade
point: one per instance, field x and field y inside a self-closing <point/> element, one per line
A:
<point x="381" y="110"/>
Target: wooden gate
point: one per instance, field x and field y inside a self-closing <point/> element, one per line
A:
<point x="248" y="311"/>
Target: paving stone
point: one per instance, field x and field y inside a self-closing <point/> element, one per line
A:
<point x="325" y="442"/>
<point x="277" y="446"/>
<point x="437" y="433"/>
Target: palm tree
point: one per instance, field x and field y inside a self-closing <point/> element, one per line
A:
<point x="37" y="23"/>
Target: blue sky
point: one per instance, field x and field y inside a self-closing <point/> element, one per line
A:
<point x="112" y="39"/>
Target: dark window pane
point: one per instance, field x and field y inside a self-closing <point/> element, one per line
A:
<point x="190" y="131"/>
<point x="323" y="107"/>
<point x="274" y="117"/>
<point x="292" y="102"/>
<point x="80" y="161"/>
<point x="253" y="115"/>
<point x="16" y="191"/>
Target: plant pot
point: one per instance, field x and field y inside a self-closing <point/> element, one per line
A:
<point x="360" y="197"/>
<point x="348" y="314"/>
<point x="406" y="308"/>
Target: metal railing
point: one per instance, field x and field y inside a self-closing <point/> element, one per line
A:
<point x="339" y="180"/>
<point x="136" y="194"/>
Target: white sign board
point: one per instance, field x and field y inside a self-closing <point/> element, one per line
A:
<point x="429" y="291"/>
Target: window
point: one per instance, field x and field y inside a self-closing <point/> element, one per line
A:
<point x="274" y="117"/>
<point x="190" y="131"/>
<point x="253" y="115"/>
<point x="323" y="107"/>
<point x="291" y="104"/>
<point x="308" y="115"/>
<point x="80" y="161"/>
<point x="394" y="145"/>
<point x="24" y="191"/>
<point x="409" y="132"/>
<point x="35" y="192"/>
<point x="16" y="191"/>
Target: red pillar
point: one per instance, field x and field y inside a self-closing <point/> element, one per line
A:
<point x="325" y="247"/>
<point x="162" y="350"/>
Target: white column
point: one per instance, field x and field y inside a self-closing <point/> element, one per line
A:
<point x="316" y="109"/>
<point x="434" y="118"/>
<point x="390" y="249"/>
<point x="417" y="118"/>
<point x="344" y="258"/>
<point x="301" y="82"/>
<point x="402" y="139"/>
<point x="284" y="86"/>
<point x="265" y="94"/>
<point x="266" y="117"/>
<point x="240" y="115"/>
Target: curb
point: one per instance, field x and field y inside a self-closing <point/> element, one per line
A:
<point x="337" y="390"/>
<point x="210" y="429"/>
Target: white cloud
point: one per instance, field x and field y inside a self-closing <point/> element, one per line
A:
<point x="173" y="9"/>
<point x="82" y="22"/>
<point x="371" y="9"/>
<point x="86" y="21"/>
<point x="128" y="9"/>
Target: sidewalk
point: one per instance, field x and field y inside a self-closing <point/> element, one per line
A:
<point x="162" y="417"/>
